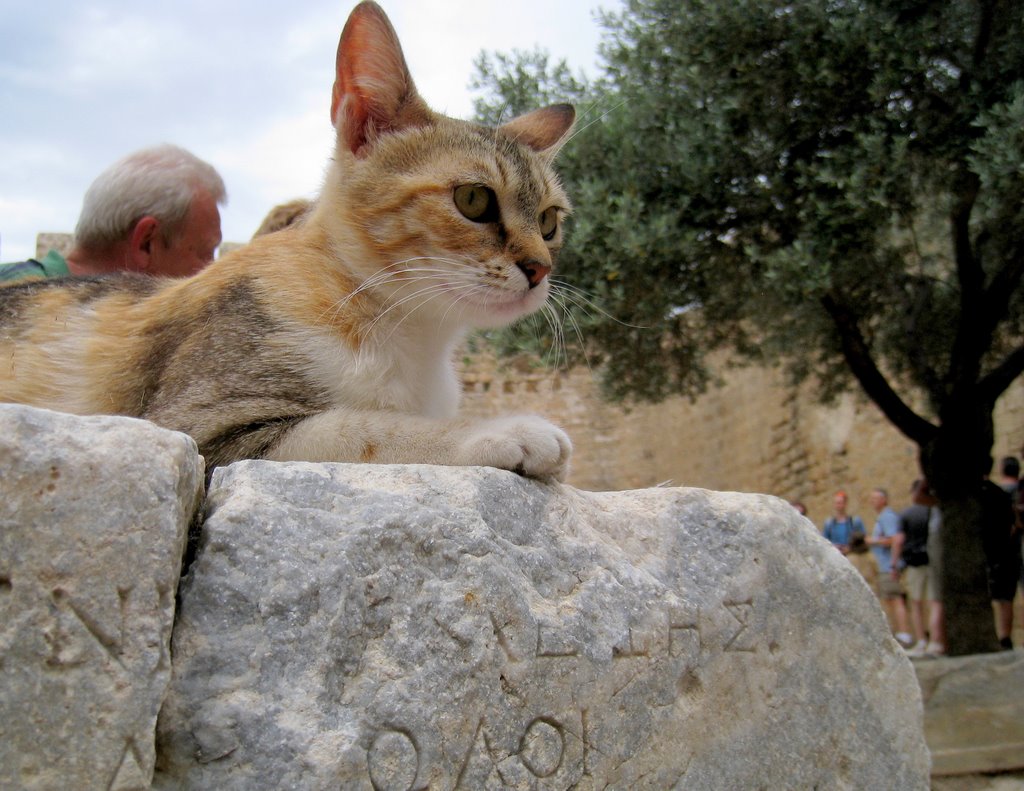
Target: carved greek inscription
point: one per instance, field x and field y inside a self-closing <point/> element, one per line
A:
<point x="675" y="640"/>
<point x="393" y="760"/>
<point x="684" y="640"/>
<point x="679" y="636"/>
<point x="552" y="644"/>
<point x="585" y="739"/>
<point x="69" y="616"/>
<point x="480" y="750"/>
<point x="63" y="648"/>
<point x="542" y="747"/>
<point x="541" y="751"/>
<point x="129" y="773"/>
<point x="503" y="641"/>
<point x="739" y="640"/>
<point x="636" y="644"/>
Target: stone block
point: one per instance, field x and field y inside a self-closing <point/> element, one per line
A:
<point x="974" y="712"/>
<point x="61" y="242"/>
<point x="94" y="514"/>
<point x="415" y="627"/>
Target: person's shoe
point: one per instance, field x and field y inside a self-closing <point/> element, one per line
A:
<point x="1006" y="643"/>
<point x="933" y="650"/>
<point x="918" y="649"/>
<point x="904" y="639"/>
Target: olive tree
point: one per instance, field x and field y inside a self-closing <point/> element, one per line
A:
<point x="835" y="186"/>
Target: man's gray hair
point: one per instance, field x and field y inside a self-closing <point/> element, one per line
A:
<point x="159" y="182"/>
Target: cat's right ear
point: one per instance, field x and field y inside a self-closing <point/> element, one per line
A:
<point x="373" y="90"/>
<point x="545" y="130"/>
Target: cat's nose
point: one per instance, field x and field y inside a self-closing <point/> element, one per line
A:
<point x="534" y="270"/>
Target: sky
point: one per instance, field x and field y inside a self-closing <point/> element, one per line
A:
<point x="245" y="86"/>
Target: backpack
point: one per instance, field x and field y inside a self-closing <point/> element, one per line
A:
<point x="915" y="545"/>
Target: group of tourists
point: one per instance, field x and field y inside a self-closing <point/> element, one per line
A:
<point x="900" y="556"/>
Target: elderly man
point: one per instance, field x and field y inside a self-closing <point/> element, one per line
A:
<point x="154" y="212"/>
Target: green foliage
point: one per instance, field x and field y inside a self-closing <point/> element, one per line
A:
<point x="766" y="160"/>
<point x="833" y="185"/>
<point x="520" y="82"/>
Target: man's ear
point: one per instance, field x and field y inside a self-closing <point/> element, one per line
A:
<point x="143" y="236"/>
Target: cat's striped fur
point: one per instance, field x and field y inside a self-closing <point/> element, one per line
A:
<point x="332" y="339"/>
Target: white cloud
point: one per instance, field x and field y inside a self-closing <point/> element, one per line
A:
<point x="102" y="49"/>
<point x="279" y="162"/>
<point x="244" y="86"/>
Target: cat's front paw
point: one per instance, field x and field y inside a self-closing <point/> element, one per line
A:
<point x="528" y="445"/>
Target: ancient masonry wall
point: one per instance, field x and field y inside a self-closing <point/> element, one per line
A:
<point x="753" y="434"/>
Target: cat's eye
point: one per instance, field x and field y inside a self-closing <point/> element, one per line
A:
<point x="476" y="202"/>
<point x="549" y="223"/>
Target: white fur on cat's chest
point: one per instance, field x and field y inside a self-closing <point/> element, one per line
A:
<point x="415" y="378"/>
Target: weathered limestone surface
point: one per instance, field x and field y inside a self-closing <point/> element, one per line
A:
<point x="93" y="518"/>
<point x="974" y="717"/>
<point x="412" y="627"/>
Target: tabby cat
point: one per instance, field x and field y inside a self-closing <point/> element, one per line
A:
<point x="332" y="340"/>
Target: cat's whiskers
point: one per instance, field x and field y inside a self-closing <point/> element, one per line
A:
<point x="448" y="278"/>
<point x="557" y="315"/>
<point x="429" y="293"/>
<point x="424" y="296"/>
<point x="560" y="309"/>
<point x="469" y="290"/>
<point x="577" y="330"/>
<point x="385" y="275"/>
<point x="421" y="296"/>
<point x="454" y="285"/>
<point x="580" y="130"/>
<point x="558" y="349"/>
<point x="583" y="300"/>
<point x="340" y="304"/>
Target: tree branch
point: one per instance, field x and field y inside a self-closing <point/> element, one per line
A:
<point x="1004" y="283"/>
<point x="994" y="383"/>
<point x="969" y="273"/>
<point x="972" y="337"/>
<point x="965" y="354"/>
<point x="917" y="327"/>
<point x="858" y="357"/>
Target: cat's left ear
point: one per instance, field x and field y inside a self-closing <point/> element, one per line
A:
<point x="544" y="130"/>
<point x="373" y="90"/>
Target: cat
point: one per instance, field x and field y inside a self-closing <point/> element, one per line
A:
<point x="331" y="340"/>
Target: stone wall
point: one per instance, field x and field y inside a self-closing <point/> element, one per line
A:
<point x="752" y="434"/>
<point x="61" y="242"/>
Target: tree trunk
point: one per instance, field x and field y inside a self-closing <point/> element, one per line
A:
<point x="955" y="463"/>
<point x="970" y="628"/>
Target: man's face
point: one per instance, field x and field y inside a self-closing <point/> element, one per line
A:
<point x="195" y="244"/>
<point x="839" y="503"/>
<point x="877" y="500"/>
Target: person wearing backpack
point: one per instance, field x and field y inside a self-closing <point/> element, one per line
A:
<point x="910" y="551"/>
<point x="840" y="528"/>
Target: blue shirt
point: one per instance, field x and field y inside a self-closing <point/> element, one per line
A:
<point x="887" y="526"/>
<point x="840" y="533"/>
